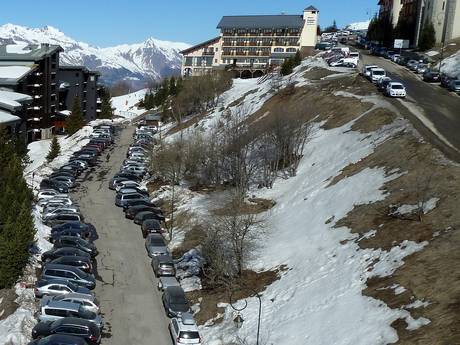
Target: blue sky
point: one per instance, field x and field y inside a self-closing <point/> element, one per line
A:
<point x="110" y="22"/>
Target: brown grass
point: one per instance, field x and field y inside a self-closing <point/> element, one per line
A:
<point x="8" y="306"/>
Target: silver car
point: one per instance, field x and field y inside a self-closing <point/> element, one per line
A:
<point x="58" y="287"/>
<point x="89" y="302"/>
<point x="48" y="213"/>
<point x="155" y="245"/>
<point x="51" y="310"/>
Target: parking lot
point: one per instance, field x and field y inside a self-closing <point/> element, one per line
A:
<point x="126" y="287"/>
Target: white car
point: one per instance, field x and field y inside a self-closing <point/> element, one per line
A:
<point x="66" y="209"/>
<point x="64" y="201"/>
<point x="395" y="89"/>
<point x="128" y="184"/>
<point x="367" y="70"/>
<point x="49" y="194"/>
<point x="184" y="330"/>
<point x="89" y="302"/>
<point x="376" y="74"/>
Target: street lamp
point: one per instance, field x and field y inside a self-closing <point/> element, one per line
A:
<point x="238" y="320"/>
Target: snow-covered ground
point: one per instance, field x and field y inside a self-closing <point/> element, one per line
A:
<point x="451" y="65"/>
<point x="125" y="106"/>
<point x="319" y="299"/>
<point x="359" y="25"/>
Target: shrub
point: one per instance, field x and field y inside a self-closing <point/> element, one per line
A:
<point x="55" y="149"/>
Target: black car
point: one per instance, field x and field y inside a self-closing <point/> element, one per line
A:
<point x="133" y="210"/>
<point x="150" y="226"/>
<point x="144" y="215"/>
<point x="174" y="301"/>
<point x="445" y="80"/>
<point x="65" y="251"/>
<point x="50" y="184"/>
<point x="85" y="234"/>
<point x="138" y="202"/>
<point x="72" y="326"/>
<point x="431" y="77"/>
<point x="81" y="262"/>
<point x="59" y="339"/>
<point x="129" y="176"/>
<point x="76" y="242"/>
<point x="87" y="228"/>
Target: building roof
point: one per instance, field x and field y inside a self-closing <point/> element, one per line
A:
<point x="261" y="22"/>
<point x="78" y="68"/>
<point x="200" y="45"/>
<point x="311" y="8"/>
<point x="7" y="117"/>
<point x="12" y="100"/>
<point x="27" y="52"/>
<point x="11" y="74"/>
<point x="153" y="117"/>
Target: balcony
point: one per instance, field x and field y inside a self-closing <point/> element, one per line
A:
<point x="208" y="53"/>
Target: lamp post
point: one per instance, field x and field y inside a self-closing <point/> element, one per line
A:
<point x="238" y="320"/>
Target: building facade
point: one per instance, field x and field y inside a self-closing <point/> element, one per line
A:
<point x="445" y="16"/>
<point x="250" y="45"/>
<point x="78" y="81"/>
<point x="390" y="9"/>
<point x="32" y="70"/>
<point x="13" y="113"/>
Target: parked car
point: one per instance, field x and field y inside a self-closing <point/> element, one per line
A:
<point x="445" y="80"/>
<point x="121" y="199"/>
<point x="155" y="245"/>
<point x="71" y="273"/>
<point x="59" y="339"/>
<point x="174" y="301"/>
<point x="45" y="194"/>
<point x="49" y="212"/>
<point x="115" y="180"/>
<point x="366" y="72"/>
<point x="81" y="262"/>
<point x="131" y="212"/>
<point x="58" y="186"/>
<point x="88" y="230"/>
<point x="412" y="64"/>
<point x="431" y="76"/>
<point x="421" y="68"/>
<point x="163" y="265"/>
<point x="150" y="226"/>
<point x="376" y="74"/>
<point x="132" y="190"/>
<point x="164" y="282"/>
<point x="184" y="330"/>
<point x="138" y="202"/>
<point x="61" y="218"/>
<point x="58" y="200"/>
<point x="454" y="86"/>
<point x="51" y="310"/>
<point x="71" y="326"/>
<point x="127" y="184"/>
<point x="144" y="215"/>
<point x="87" y="301"/>
<point x="72" y="241"/>
<point x="65" y="251"/>
<point x="67" y="180"/>
<point x="58" y="287"/>
<point x="86" y="235"/>
<point x="382" y="83"/>
<point x="395" y="89"/>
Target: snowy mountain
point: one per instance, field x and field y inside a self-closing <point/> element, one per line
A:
<point x="358" y="25"/>
<point x="137" y="63"/>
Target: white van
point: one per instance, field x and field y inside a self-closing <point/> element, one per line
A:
<point x="354" y="55"/>
<point x="376" y="74"/>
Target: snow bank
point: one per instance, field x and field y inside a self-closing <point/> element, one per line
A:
<point x="358" y="25"/>
<point x="125" y="106"/>
<point x="451" y="65"/>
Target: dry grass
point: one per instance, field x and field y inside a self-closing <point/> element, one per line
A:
<point x="253" y="206"/>
<point x="7" y="305"/>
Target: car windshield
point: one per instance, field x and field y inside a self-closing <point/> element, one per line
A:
<point x="397" y="87"/>
<point x="86" y="314"/>
<point x="457" y="83"/>
<point x="73" y="286"/>
<point x="189" y="335"/>
<point x="378" y="72"/>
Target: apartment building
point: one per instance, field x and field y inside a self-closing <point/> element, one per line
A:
<point x="31" y="69"/>
<point x="445" y="16"/>
<point x="252" y="44"/>
<point x="13" y="110"/>
<point x="390" y="9"/>
<point x="79" y="81"/>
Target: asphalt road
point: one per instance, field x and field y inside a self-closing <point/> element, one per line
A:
<point x="126" y="287"/>
<point x="433" y="110"/>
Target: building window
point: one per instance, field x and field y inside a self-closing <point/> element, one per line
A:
<point x="279" y="50"/>
<point x="291" y="50"/>
<point x="77" y="74"/>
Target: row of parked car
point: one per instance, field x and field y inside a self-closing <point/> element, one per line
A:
<point x="341" y="57"/>
<point x="419" y="65"/>
<point x="134" y="199"/>
<point x="378" y="76"/>
<point x="69" y="313"/>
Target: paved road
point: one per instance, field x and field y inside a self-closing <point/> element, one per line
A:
<point x="126" y="287"/>
<point x="434" y="111"/>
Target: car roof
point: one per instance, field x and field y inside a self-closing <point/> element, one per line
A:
<point x="175" y="291"/>
<point x="77" y="295"/>
<point x="155" y="236"/>
<point x="396" y="83"/>
<point x="58" y="339"/>
<point x="73" y="321"/>
<point x="61" y="267"/>
<point x="51" y="303"/>
<point x="164" y="258"/>
<point x="43" y="282"/>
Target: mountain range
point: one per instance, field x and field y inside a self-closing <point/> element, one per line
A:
<point x="136" y="63"/>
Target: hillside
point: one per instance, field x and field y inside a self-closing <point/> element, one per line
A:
<point x="359" y="244"/>
<point x="138" y="63"/>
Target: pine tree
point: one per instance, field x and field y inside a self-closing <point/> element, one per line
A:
<point x="75" y="121"/>
<point x="172" y="86"/>
<point x="427" y="36"/>
<point x="55" y="149"/>
<point x="287" y="67"/>
<point x="106" y="106"/>
<point x="16" y="223"/>
<point x="297" y="59"/>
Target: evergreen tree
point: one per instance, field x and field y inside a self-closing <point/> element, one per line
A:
<point x="286" y="67"/>
<point x="76" y="120"/>
<point x="172" y="87"/>
<point x="427" y="36"/>
<point x="106" y="106"/>
<point x="55" y="149"/>
<point x="16" y="223"/>
<point x="297" y="59"/>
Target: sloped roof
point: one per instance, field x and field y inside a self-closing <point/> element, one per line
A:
<point x="27" y="52"/>
<point x="261" y="22"/>
<point x="311" y="8"/>
<point x="11" y="74"/>
<point x="10" y="100"/>
<point x="7" y="117"/>
<point x="200" y="45"/>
